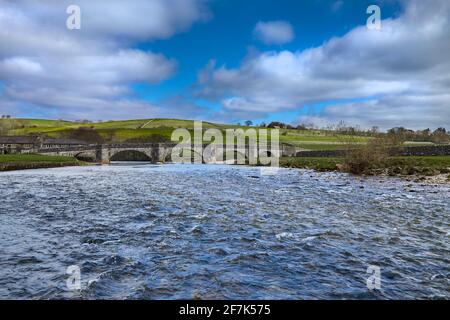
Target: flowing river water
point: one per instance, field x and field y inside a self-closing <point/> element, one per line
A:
<point x="220" y="232"/>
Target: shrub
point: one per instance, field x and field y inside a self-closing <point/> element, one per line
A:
<point x="359" y="159"/>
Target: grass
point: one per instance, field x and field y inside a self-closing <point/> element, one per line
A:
<point x="319" y="164"/>
<point x="36" y="158"/>
<point x="319" y="147"/>
<point x="120" y="131"/>
<point x="27" y="126"/>
<point x="418" y="165"/>
<point x="34" y="161"/>
<point x="321" y="138"/>
<point x="412" y="165"/>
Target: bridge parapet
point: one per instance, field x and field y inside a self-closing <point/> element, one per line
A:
<point x="63" y="149"/>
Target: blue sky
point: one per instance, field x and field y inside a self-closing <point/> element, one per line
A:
<point x="228" y="37"/>
<point x="297" y="61"/>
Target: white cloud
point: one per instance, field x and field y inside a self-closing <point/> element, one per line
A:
<point x="137" y="19"/>
<point x="408" y="58"/>
<point x="89" y="72"/>
<point x="418" y="112"/>
<point x="274" y="32"/>
<point x="155" y="19"/>
<point x="22" y="66"/>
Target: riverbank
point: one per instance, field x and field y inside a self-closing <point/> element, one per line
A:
<point x="32" y="161"/>
<point x="433" y="168"/>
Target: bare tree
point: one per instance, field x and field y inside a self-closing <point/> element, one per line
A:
<point x="7" y="124"/>
<point x="440" y="136"/>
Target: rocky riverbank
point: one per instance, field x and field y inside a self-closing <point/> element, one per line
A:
<point x="434" y="170"/>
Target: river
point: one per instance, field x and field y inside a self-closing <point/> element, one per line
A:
<point x="220" y="232"/>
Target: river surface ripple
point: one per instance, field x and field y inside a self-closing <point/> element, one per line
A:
<point x="220" y="232"/>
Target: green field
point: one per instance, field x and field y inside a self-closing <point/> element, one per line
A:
<point x="122" y="131"/>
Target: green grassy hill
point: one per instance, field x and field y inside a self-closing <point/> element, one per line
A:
<point x="122" y="131"/>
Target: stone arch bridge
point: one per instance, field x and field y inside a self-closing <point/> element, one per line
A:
<point x="159" y="152"/>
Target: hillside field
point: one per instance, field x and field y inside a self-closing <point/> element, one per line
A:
<point x="123" y="131"/>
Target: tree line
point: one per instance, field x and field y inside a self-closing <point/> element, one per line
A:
<point x="438" y="136"/>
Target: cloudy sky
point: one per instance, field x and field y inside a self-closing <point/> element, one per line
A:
<point x="310" y="61"/>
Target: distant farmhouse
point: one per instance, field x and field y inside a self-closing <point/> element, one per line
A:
<point x="17" y="144"/>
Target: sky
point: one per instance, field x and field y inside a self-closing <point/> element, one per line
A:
<point x="296" y="61"/>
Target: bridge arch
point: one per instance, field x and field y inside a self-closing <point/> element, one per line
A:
<point x="88" y="156"/>
<point x="267" y="153"/>
<point x="130" y="155"/>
